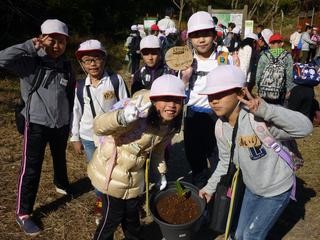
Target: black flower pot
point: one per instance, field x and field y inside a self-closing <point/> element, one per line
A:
<point x="177" y="231"/>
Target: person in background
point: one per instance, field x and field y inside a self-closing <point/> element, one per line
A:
<point x="267" y="191"/>
<point x="296" y="44"/>
<point x="306" y="42"/>
<point x="132" y="43"/>
<point x="154" y="30"/>
<point x="315" y="37"/>
<point x="263" y="41"/>
<point x="94" y="96"/>
<point x="48" y="112"/>
<point x="259" y="29"/>
<point x="200" y="144"/>
<point x="167" y="21"/>
<point x="140" y="130"/>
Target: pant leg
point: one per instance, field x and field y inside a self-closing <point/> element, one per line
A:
<point x="58" y="139"/>
<point x="264" y="212"/>
<point x="113" y="213"/>
<point x="34" y="144"/>
<point x="131" y="222"/>
<point x="199" y="142"/>
<point x="304" y="57"/>
<point x="89" y="148"/>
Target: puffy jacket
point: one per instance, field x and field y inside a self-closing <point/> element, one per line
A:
<point x="133" y="145"/>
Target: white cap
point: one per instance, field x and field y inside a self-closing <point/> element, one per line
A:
<point x="266" y="34"/>
<point x="167" y="85"/>
<point x="162" y="26"/>
<point x="251" y="35"/>
<point x="134" y="28"/>
<point x="51" y="26"/>
<point x="90" y="46"/>
<point x="199" y="21"/>
<point x="172" y="30"/>
<point x="150" y="41"/>
<point x="236" y="30"/>
<point x="222" y="78"/>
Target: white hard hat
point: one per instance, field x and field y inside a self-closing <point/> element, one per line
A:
<point x="172" y="30"/>
<point x="222" y="78"/>
<point x="251" y="35"/>
<point x="199" y="21"/>
<point x="150" y="41"/>
<point x="266" y="34"/>
<point x="51" y="26"/>
<point x="134" y="28"/>
<point x="90" y="46"/>
<point x="167" y="85"/>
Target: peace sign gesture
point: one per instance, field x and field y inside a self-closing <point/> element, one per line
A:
<point x="39" y="41"/>
<point x="252" y="103"/>
<point x="132" y="112"/>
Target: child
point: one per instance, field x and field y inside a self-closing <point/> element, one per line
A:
<point x="200" y="119"/>
<point x="267" y="177"/>
<point x="92" y="58"/>
<point x="274" y="76"/>
<point x="132" y="135"/>
<point x="48" y="113"/>
<point x="153" y="67"/>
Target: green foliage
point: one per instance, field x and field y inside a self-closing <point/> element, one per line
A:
<point x="181" y="190"/>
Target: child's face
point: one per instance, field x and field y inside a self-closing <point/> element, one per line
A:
<point x="276" y="44"/>
<point x="168" y="107"/>
<point x="224" y="103"/>
<point x="202" y="41"/>
<point x="150" y="56"/>
<point x="55" y="45"/>
<point x="93" y="64"/>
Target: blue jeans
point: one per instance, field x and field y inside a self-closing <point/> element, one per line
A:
<point x="258" y="214"/>
<point x="89" y="148"/>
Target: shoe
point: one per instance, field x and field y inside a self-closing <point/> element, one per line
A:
<point x="98" y="210"/>
<point x="61" y="191"/>
<point x="28" y="226"/>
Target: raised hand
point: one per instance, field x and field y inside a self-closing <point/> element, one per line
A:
<point x="39" y="42"/>
<point x="132" y="112"/>
<point x="252" y="103"/>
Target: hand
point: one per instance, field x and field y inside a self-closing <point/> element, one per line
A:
<point x="132" y="112"/>
<point x="186" y="74"/>
<point x="78" y="147"/>
<point x="38" y="42"/>
<point x="205" y="195"/>
<point x="163" y="182"/>
<point x="252" y="103"/>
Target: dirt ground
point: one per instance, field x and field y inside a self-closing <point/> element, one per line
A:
<point x="73" y="219"/>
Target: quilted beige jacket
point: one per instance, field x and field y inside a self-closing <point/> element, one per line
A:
<point x="133" y="144"/>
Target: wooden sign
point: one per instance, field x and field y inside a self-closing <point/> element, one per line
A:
<point x="179" y="58"/>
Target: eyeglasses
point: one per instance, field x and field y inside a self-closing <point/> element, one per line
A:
<point x="88" y="61"/>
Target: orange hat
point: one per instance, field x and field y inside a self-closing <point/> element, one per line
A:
<point x="275" y="37"/>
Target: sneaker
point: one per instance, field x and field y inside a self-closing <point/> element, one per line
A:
<point x="28" y="226"/>
<point x="98" y="210"/>
<point x="61" y="191"/>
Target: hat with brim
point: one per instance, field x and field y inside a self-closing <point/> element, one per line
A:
<point x="54" y="26"/>
<point x="167" y="85"/>
<point x="223" y="78"/>
<point x="90" y="46"/>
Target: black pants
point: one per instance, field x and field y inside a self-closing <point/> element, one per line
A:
<point x="135" y="62"/>
<point x="34" y="145"/>
<point x="301" y="100"/>
<point x="200" y="144"/>
<point x="116" y="211"/>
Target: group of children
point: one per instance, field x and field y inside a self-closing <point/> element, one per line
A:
<point x="118" y="141"/>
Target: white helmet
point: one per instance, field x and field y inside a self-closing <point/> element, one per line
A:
<point x="199" y="21"/>
<point x="266" y="34"/>
<point x="150" y="41"/>
<point x="167" y="85"/>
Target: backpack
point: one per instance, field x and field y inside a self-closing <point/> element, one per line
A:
<point x="272" y="84"/>
<point x="114" y="81"/>
<point x="299" y="46"/>
<point x="134" y="45"/>
<point x="306" y="74"/>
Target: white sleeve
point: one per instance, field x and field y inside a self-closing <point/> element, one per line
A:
<point x="122" y="88"/>
<point x="245" y="56"/>
<point x="76" y="117"/>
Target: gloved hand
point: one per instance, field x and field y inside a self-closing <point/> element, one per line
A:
<point x="132" y="112"/>
<point x="163" y="182"/>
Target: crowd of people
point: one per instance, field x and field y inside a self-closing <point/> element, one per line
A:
<point x="119" y="134"/>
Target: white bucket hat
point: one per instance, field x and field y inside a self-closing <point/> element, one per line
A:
<point x="150" y="41"/>
<point x="199" y="21"/>
<point x="90" y="46"/>
<point x="167" y="85"/>
<point x="251" y="35"/>
<point x="266" y="34"/>
<point x="222" y="78"/>
<point x="51" y="26"/>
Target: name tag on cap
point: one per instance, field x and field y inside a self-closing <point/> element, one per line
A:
<point x="179" y="58"/>
<point x="64" y="82"/>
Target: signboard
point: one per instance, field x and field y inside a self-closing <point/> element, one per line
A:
<point x="248" y="27"/>
<point x="148" y="22"/>
<point x="225" y="18"/>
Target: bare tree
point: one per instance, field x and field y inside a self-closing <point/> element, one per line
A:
<point x="180" y="5"/>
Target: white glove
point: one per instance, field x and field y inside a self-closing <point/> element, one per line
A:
<point x="132" y="112"/>
<point x="163" y="182"/>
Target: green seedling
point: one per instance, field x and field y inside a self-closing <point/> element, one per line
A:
<point x="182" y="191"/>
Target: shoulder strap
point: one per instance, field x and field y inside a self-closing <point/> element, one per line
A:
<point x="91" y="101"/>
<point x="115" y="83"/>
<point x="80" y="86"/>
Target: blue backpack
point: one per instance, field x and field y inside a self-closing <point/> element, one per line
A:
<point x="306" y="74"/>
